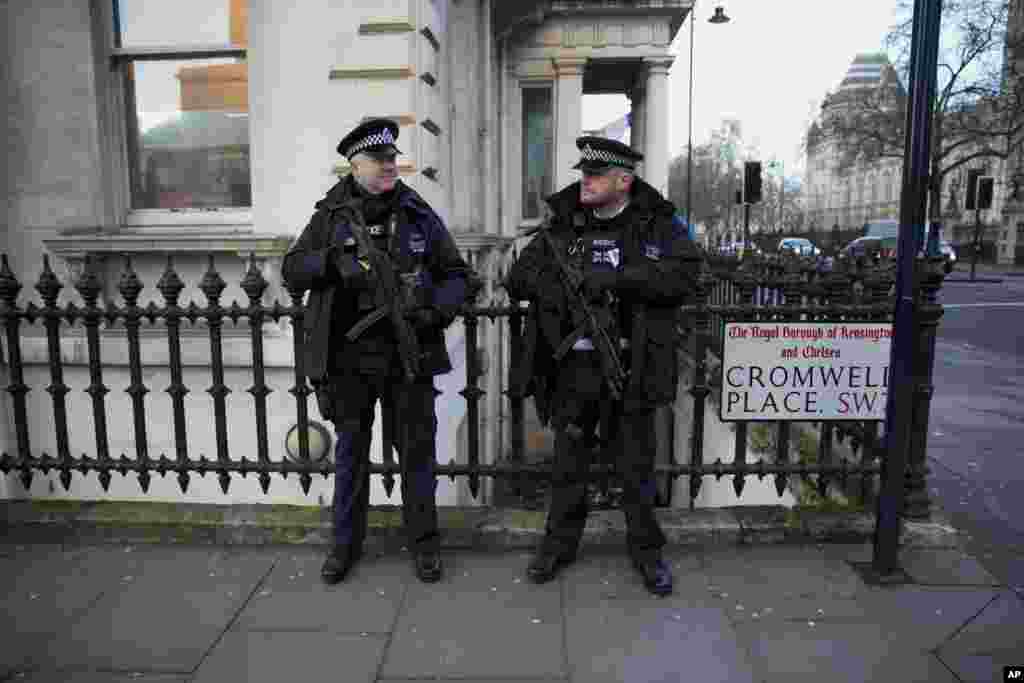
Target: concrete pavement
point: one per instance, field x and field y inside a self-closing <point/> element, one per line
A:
<point x="765" y="612"/>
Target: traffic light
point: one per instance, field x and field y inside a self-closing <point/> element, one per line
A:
<point x="739" y="197"/>
<point x="986" y="187"/>
<point x="752" y="182"/>
<point x="972" y="188"/>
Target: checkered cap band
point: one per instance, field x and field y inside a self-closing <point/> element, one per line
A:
<point x="604" y="156"/>
<point x="381" y="137"/>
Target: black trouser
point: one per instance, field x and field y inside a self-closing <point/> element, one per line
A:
<point x="579" y="400"/>
<point x="354" y="398"/>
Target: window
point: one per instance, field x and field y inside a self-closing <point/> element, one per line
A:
<point x="186" y="101"/>
<point x="538" y="148"/>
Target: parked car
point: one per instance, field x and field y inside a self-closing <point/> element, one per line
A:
<point x="875" y="247"/>
<point x="883" y="227"/>
<point x="869" y="248"/>
<point x="949" y="252"/>
<point x="798" y="245"/>
<point x="737" y="247"/>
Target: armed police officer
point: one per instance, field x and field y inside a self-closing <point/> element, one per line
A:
<point x="385" y="279"/>
<point x="605" y="276"/>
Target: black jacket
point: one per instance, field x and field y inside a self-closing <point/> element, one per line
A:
<point x="658" y="270"/>
<point x="310" y="265"/>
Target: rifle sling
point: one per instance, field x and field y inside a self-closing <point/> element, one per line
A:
<point x="367" y="321"/>
<point x="570" y="341"/>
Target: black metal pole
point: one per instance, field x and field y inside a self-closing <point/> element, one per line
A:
<point x="976" y="242"/>
<point x="923" y="65"/>
<point x="746" y="226"/>
<point x="689" y="136"/>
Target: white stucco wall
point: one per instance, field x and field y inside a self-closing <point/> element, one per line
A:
<point x="58" y="177"/>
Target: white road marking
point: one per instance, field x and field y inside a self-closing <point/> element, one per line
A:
<point x="995" y="304"/>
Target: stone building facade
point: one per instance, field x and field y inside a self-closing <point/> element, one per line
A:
<point x="150" y="129"/>
<point x="850" y="197"/>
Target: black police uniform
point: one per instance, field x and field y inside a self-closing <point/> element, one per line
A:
<point x="643" y="265"/>
<point x="352" y="376"/>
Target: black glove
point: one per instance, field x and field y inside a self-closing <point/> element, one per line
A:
<point x="597" y="282"/>
<point x="355" y="273"/>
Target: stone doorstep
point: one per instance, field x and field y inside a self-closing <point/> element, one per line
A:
<point x="462" y="527"/>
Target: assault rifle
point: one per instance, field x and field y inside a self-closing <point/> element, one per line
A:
<point x="389" y="297"/>
<point x="585" y="318"/>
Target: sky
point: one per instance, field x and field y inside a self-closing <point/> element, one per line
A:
<point x="769" y="67"/>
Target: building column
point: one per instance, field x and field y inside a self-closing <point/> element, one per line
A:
<point x="656" y="124"/>
<point x="568" y="117"/>
<point x="638" y="120"/>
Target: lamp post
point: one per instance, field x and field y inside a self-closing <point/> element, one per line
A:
<point x="777" y="165"/>
<point x="718" y="18"/>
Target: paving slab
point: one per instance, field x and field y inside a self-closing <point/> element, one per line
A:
<point x="611" y="581"/>
<point x="294" y="598"/>
<point x="798" y="652"/>
<point x="45" y="589"/>
<point x="483" y="619"/>
<point x="944" y="567"/>
<point x="272" y="657"/>
<point x="783" y="582"/>
<point x="164" y="617"/>
<point x="652" y="645"/>
<point x="99" y="677"/>
<point x="487" y="679"/>
<point x="992" y="640"/>
<point x="617" y="631"/>
<point x="924" y="617"/>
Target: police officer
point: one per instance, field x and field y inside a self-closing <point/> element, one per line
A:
<point x="352" y="368"/>
<point x="634" y="261"/>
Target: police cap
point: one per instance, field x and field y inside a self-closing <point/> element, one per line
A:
<point x="372" y="135"/>
<point x="598" y="155"/>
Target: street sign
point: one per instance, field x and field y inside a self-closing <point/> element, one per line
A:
<point x="805" y="371"/>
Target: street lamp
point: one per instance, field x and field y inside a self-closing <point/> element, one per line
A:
<point x="718" y="18"/>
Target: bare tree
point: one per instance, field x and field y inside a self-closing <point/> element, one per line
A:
<point x="716" y="177"/>
<point x="978" y="109"/>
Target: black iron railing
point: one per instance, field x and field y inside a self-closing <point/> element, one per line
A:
<point x="763" y="289"/>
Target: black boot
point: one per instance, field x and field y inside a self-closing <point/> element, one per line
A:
<point x="338" y="563"/>
<point x="546" y="564"/>
<point x="655" y="571"/>
<point x="428" y="565"/>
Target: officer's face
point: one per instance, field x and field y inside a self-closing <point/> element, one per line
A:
<point x="603" y="188"/>
<point x="377" y="172"/>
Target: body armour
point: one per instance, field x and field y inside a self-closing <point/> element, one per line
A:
<point x="599" y="246"/>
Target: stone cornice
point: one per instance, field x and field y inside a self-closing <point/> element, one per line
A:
<point x="344" y="168"/>
<point x="400" y="119"/>
<point x="478" y="241"/>
<point x="372" y="73"/>
<point x="379" y="26"/>
<point x="659" y="64"/>
<point x="569" y="66"/>
<point x="163" y="241"/>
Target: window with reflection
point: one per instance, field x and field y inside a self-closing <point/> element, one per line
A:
<point x="187" y="98"/>
<point x="538" y="150"/>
